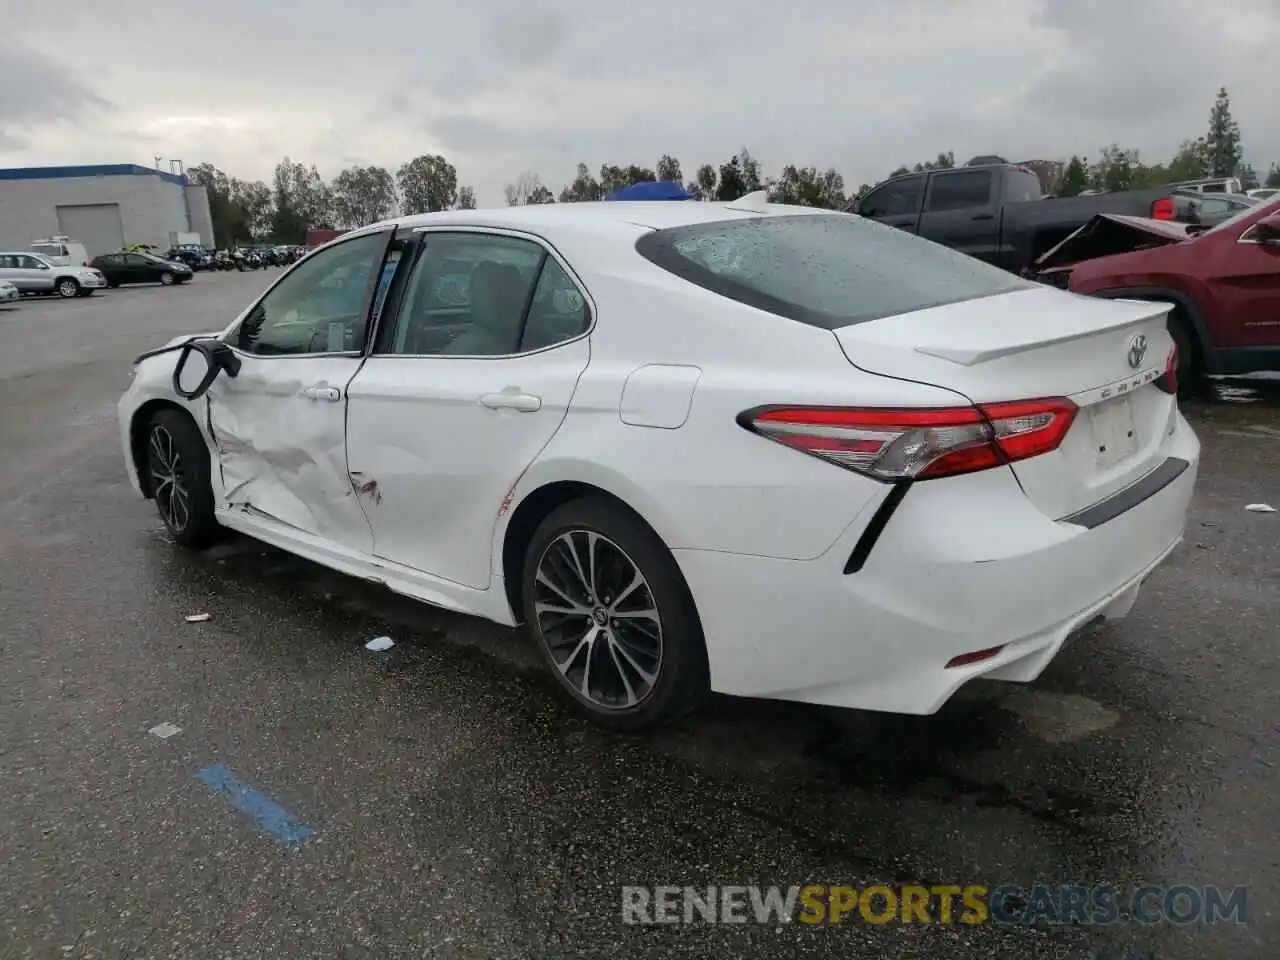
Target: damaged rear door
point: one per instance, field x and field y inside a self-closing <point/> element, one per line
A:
<point x="280" y="424"/>
<point x="470" y="376"/>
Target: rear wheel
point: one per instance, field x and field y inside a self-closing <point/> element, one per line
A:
<point x="612" y="616"/>
<point x="177" y="465"/>
<point x="68" y="288"/>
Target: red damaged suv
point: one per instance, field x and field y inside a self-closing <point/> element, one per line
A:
<point x="1224" y="282"/>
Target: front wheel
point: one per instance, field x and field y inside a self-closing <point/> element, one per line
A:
<point x="166" y="279"/>
<point x="177" y="465"/>
<point x="68" y="288"/>
<point x="612" y="617"/>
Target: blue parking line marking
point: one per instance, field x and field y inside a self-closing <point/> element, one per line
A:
<point x="264" y="811"/>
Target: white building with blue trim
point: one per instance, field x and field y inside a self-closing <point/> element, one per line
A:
<point x="104" y="206"/>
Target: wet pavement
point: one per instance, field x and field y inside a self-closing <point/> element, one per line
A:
<point x="455" y="809"/>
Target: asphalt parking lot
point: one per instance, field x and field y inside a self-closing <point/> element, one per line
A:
<point x="443" y="804"/>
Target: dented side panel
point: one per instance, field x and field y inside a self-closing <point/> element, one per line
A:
<point x="279" y="430"/>
<point x="446" y="440"/>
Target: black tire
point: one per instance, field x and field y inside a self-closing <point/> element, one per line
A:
<point x="67" y="287"/>
<point x="87" y="293"/>
<point x="113" y="284"/>
<point x="681" y="681"/>
<point x="1191" y="379"/>
<point x="196" y="527"/>
<point x="167" y="279"/>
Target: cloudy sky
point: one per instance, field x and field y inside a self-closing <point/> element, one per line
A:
<point x="504" y="87"/>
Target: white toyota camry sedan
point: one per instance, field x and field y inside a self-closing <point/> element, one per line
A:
<point x="764" y="450"/>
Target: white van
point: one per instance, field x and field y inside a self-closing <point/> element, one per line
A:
<point x="1210" y="185"/>
<point x="63" y="251"/>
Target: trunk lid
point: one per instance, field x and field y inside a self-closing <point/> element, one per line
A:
<point x="1043" y="343"/>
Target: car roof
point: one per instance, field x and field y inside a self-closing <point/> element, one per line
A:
<point x="624" y="214"/>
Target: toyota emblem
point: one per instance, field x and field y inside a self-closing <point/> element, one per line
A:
<point x="1137" y="350"/>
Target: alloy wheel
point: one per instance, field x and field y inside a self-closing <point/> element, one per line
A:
<point x="68" y="288"/>
<point x="168" y="479"/>
<point x="166" y="278"/>
<point x="597" y="615"/>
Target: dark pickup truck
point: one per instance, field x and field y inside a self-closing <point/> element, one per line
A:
<point x="993" y="212"/>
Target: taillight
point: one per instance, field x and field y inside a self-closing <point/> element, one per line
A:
<point x="1162" y="209"/>
<point x="918" y="444"/>
<point x="1168" y="381"/>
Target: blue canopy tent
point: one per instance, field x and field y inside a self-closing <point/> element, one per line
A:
<point x="651" y="190"/>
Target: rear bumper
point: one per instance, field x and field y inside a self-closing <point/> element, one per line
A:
<point x="965" y="565"/>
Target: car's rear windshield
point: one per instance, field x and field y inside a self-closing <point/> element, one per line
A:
<point x="827" y="271"/>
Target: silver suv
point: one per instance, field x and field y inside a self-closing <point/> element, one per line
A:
<point x="33" y="273"/>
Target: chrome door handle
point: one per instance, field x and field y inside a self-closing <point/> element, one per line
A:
<point x="331" y="394"/>
<point x="524" y="402"/>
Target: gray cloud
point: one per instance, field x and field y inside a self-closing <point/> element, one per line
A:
<point x="543" y="84"/>
<point x="527" y="36"/>
<point x="39" y="90"/>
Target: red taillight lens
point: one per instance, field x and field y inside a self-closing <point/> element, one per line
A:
<point x="919" y="444"/>
<point x="1168" y="381"/>
<point x="976" y="656"/>
<point x="1162" y="209"/>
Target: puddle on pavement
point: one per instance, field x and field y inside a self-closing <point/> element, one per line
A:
<point x="1261" y="387"/>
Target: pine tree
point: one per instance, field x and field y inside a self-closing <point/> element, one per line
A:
<point x="1223" y="138"/>
<point x="1075" y="178"/>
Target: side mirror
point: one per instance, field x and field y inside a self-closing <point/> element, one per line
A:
<point x="193" y="377"/>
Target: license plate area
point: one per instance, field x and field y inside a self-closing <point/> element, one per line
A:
<point x="1115" y="435"/>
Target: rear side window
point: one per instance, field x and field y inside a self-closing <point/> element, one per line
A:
<point x="1021" y="185"/>
<point x="958" y="191"/>
<point x="825" y="270"/>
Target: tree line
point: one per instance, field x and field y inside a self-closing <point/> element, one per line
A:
<point x="1217" y="153"/>
<point x="298" y="198"/>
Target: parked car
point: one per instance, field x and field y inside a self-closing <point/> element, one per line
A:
<point x="123" y="268"/>
<point x="192" y="254"/>
<point x="32" y="273"/>
<point x="62" y="251"/>
<point x="904" y="469"/>
<point x="9" y="294"/>
<point x="1209" y="210"/>
<point x="1224" y="283"/>
<point x="995" y="213"/>
<point x="1265" y="193"/>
